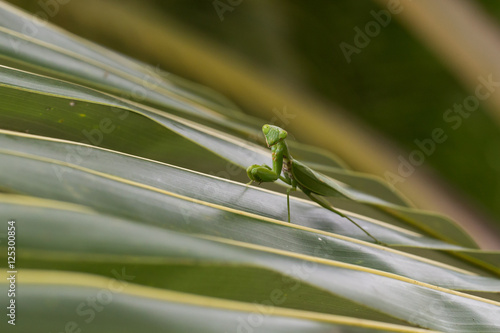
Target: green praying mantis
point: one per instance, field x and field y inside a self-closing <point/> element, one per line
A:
<point x="295" y="174"/>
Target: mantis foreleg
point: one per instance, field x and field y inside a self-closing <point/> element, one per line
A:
<point x="263" y="173"/>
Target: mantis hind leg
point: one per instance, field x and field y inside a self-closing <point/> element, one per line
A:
<point x="327" y="205"/>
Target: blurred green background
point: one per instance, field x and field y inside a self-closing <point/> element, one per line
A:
<point x="394" y="91"/>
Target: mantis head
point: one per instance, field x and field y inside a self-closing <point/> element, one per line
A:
<point x="273" y="134"/>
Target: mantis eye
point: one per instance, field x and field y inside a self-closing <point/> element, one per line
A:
<point x="283" y="134"/>
<point x="265" y="129"/>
